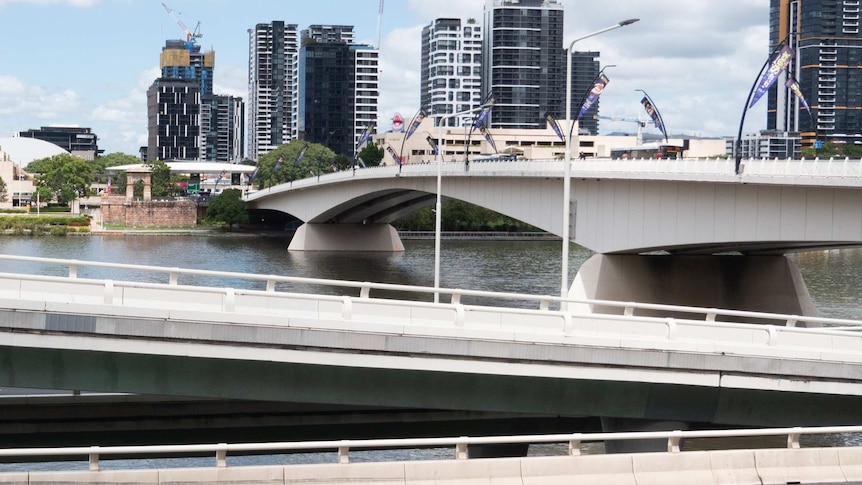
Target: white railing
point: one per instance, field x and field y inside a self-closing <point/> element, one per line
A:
<point x="839" y="339"/>
<point x="459" y="444"/>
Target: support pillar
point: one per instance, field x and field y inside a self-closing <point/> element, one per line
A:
<point x="346" y="237"/>
<point x="771" y="284"/>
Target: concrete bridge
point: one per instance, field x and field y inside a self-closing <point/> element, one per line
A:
<point x="279" y="340"/>
<point x="697" y="211"/>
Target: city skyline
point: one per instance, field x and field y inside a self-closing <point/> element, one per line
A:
<point x="697" y="61"/>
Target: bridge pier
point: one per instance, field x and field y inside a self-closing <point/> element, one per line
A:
<point x="750" y="283"/>
<point x="346" y="237"/>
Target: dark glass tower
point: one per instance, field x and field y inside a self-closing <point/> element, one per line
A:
<point x="173" y="119"/>
<point x="524" y="61"/>
<point x="828" y="65"/>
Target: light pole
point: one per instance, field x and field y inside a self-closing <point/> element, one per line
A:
<point x="567" y="170"/>
<point x="439" y="205"/>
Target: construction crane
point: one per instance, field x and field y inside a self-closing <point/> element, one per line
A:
<point x="190" y="35"/>
<point x="641" y="124"/>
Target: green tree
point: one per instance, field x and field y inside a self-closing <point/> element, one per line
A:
<point x="66" y="177"/>
<point x="228" y="208"/>
<point x="284" y="164"/>
<point x="160" y="179"/>
<point x="3" y="191"/>
<point x="117" y="159"/>
<point x="371" y="154"/>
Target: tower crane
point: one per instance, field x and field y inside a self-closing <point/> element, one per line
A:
<point x="641" y="124"/>
<point x="190" y="35"/>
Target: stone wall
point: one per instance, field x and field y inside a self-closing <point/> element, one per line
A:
<point x="120" y="210"/>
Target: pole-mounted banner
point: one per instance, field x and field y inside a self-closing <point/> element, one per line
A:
<point x="779" y="63"/>
<point x="593" y="96"/>
<point x="555" y="125"/>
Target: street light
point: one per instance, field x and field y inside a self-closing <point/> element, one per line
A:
<point x="567" y="170"/>
<point x="439" y="206"/>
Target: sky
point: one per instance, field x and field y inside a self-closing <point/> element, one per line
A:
<point x="89" y="63"/>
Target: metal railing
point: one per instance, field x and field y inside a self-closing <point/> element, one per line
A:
<point x="459" y="444"/>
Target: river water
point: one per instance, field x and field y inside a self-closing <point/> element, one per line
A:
<point x="533" y="267"/>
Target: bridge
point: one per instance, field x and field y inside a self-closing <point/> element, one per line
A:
<point x="696" y="210"/>
<point x="327" y="345"/>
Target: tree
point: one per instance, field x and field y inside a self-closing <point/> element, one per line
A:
<point x="284" y="164"/>
<point x="3" y="192"/>
<point x="66" y="177"/>
<point x="227" y="208"/>
<point x="160" y="179"/>
<point x="371" y="154"/>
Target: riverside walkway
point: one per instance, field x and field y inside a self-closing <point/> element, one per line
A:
<point x="577" y="459"/>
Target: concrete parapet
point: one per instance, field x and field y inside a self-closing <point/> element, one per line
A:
<point x="813" y="465"/>
<point x="502" y="471"/>
<point x="579" y="470"/>
<point x="14" y="478"/>
<point x="241" y="475"/>
<point x="345" y="474"/>
<point x="126" y="477"/>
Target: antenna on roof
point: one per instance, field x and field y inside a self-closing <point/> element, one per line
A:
<point x="379" y="24"/>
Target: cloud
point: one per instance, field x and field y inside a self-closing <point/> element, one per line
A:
<point x="18" y="98"/>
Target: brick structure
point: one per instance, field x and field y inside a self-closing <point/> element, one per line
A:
<point x="121" y="210"/>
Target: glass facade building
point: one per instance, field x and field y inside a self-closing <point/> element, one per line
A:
<point x="524" y="61"/>
<point x="825" y="37"/>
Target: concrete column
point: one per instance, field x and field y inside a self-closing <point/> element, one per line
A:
<point x="750" y="283"/>
<point x="621" y="425"/>
<point x="346" y="237"/>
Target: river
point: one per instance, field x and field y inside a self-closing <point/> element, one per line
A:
<point x="833" y="277"/>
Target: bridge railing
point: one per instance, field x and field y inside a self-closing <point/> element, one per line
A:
<point x="353" y="299"/>
<point x="459" y="444"/>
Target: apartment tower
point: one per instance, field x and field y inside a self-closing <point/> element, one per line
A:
<point x="524" y="61"/>
<point x="272" y="90"/>
<point x="828" y="66"/>
<point x="451" y="79"/>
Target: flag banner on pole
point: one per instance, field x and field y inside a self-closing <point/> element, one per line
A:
<point x="779" y="63"/>
<point x="794" y="86"/>
<point x="487" y="134"/>
<point x="417" y="120"/>
<point x="488" y="104"/>
<point x="301" y="154"/>
<point x="108" y="188"/>
<point x="253" y="175"/>
<point x="278" y="163"/>
<point x="555" y="125"/>
<point x="394" y="155"/>
<point x="433" y="144"/>
<point x="652" y="111"/>
<point x="593" y="96"/>
<point x="366" y="135"/>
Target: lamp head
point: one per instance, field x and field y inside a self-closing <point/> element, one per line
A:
<point x="628" y="22"/>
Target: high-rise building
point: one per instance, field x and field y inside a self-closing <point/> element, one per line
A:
<point x="222" y="122"/>
<point x="80" y="142"/>
<point x="524" y="61"/>
<point x="184" y="60"/>
<point x="825" y="37"/>
<point x="451" y="79"/>
<point x="173" y="119"/>
<point x="272" y="90"/>
<point x="338" y="87"/>
<point x="186" y="120"/>
<point x="585" y="68"/>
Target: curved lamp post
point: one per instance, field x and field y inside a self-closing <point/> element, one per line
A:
<point x="567" y="189"/>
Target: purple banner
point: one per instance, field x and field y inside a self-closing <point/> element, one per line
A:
<point x="779" y="63"/>
<point x="417" y="120"/>
<point x="555" y="125"/>
<point x="652" y="111"/>
<point x="487" y="134"/>
<point x="593" y="96"/>
<point x="394" y="155"/>
<point x="794" y="86"/>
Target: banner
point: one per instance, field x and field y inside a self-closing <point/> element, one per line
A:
<point x="417" y="120"/>
<point x="487" y="134"/>
<point x="654" y="115"/>
<point x="593" y="95"/>
<point x="794" y="86"/>
<point x="779" y="63"/>
<point x="482" y="115"/>
<point x="278" y="163"/>
<point x="394" y="155"/>
<point x="301" y="155"/>
<point x="555" y="125"/>
<point x="433" y="144"/>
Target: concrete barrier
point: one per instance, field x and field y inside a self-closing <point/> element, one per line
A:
<point x="799" y="466"/>
<point x="579" y="470"/>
